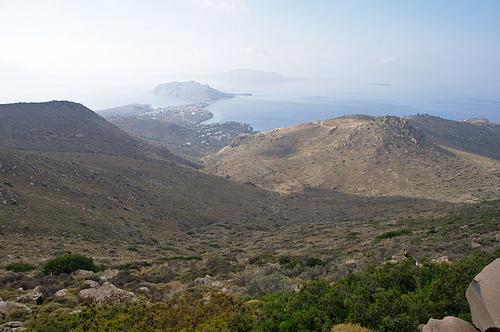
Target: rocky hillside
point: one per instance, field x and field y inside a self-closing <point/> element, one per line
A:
<point x="361" y="155"/>
<point x="63" y="126"/>
<point x="478" y="136"/>
<point x="66" y="173"/>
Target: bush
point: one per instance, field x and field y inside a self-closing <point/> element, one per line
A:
<point x="349" y="328"/>
<point x="69" y="262"/>
<point x="188" y="313"/>
<point x="19" y="267"/>
<point x="261" y="284"/>
<point x="391" y="234"/>
<point x="128" y="266"/>
<point x="313" y="261"/>
<point x="288" y="262"/>
<point x="390" y="297"/>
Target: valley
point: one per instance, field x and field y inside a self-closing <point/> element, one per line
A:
<point x="245" y="215"/>
<point x="178" y="128"/>
<point x="249" y="166"/>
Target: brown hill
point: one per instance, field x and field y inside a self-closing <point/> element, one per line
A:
<point x="63" y="126"/>
<point x="361" y="155"/>
<point x="478" y="136"/>
<point x="65" y="173"/>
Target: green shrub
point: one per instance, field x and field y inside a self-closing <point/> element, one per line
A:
<point x="128" y="266"/>
<point x="313" y="261"/>
<point x="288" y="262"/>
<point x="69" y="262"/>
<point x="390" y="297"/>
<point x="349" y="328"/>
<point x="19" y="267"/>
<point x="188" y="313"/>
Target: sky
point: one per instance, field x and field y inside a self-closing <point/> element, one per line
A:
<point x="53" y="48"/>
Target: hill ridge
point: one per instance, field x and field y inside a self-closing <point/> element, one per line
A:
<point x="371" y="156"/>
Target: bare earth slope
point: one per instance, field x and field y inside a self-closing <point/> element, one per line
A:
<point x="475" y="136"/>
<point x="360" y="155"/>
<point x="67" y="173"/>
<point x="63" y="126"/>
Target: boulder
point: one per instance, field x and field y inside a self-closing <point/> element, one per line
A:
<point x="483" y="295"/>
<point x="83" y="274"/>
<point x="62" y="292"/>
<point x="144" y="291"/>
<point x="13" y="309"/>
<point x="107" y="293"/>
<point x="34" y="296"/>
<point x="447" y="324"/>
<point x="109" y="274"/>
<point x="13" y="324"/>
<point x="206" y="280"/>
<point x="441" y="260"/>
<point x="90" y="284"/>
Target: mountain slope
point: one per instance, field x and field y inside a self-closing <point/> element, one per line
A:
<point x="191" y="142"/>
<point x="359" y="155"/>
<point x="63" y="126"/>
<point x="67" y="174"/>
<point x="475" y="135"/>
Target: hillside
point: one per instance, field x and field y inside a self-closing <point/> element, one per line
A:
<point x="190" y="90"/>
<point x="63" y="126"/>
<point x="190" y="141"/>
<point x="476" y="136"/>
<point x="361" y="155"/>
<point x="179" y="128"/>
<point x="68" y="176"/>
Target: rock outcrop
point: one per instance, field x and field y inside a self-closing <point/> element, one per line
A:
<point x="107" y="293"/>
<point x="109" y="274"/>
<point x="10" y="309"/>
<point x="447" y="324"/>
<point x="62" y="293"/>
<point x="34" y="296"/>
<point x="90" y="284"/>
<point x="483" y="295"/>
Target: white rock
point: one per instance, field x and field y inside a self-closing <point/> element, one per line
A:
<point x="9" y="308"/>
<point x="34" y="296"/>
<point x="483" y="295"/>
<point x="83" y="274"/>
<point x="62" y="292"/>
<point x="448" y="324"/>
<point x="107" y="293"/>
<point x="144" y="291"/>
<point x="90" y="284"/>
<point x="109" y="274"/>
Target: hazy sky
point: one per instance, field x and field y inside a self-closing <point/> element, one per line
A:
<point x="52" y="45"/>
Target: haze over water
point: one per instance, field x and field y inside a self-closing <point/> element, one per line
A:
<point x="284" y="104"/>
<point x="383" y="57"/>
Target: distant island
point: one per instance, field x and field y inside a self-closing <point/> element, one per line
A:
<point x="191" y="90"/>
